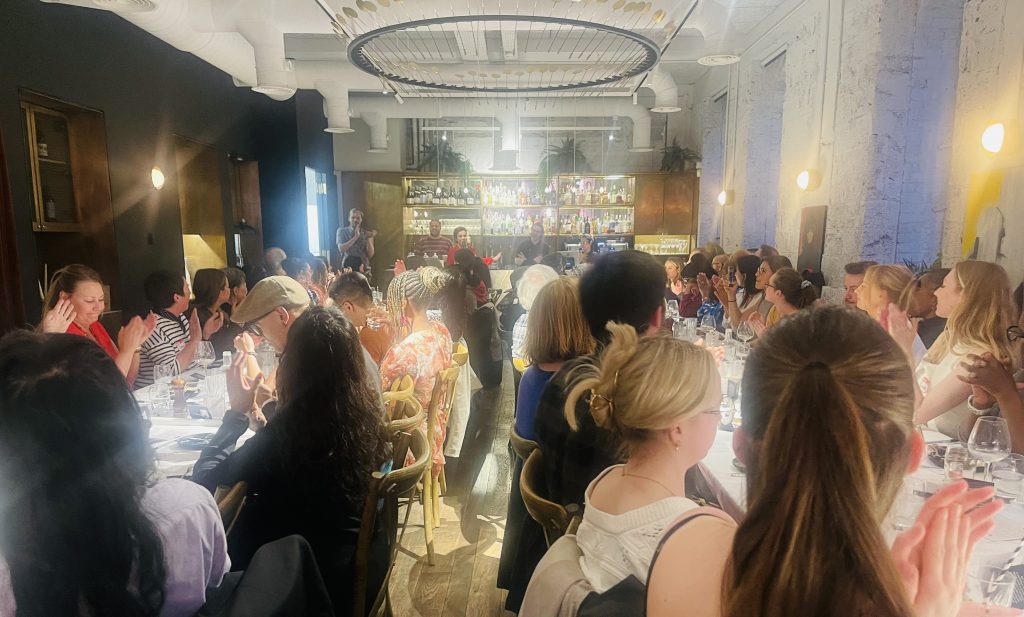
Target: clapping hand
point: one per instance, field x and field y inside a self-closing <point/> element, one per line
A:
<point x="988" y="378"/>
<point x="703" y="284"/>
<point x="57" y="319"/>
<point x="756" y="322"/>
<point x="399" y="267"/>
<point x="931" y="557"/>
<point x="901" y="328"/>
<point x="242" y="392"/>
<point x="195" y="330"/>
<point x="132" y="335"/>
<point x="213" y="324"/>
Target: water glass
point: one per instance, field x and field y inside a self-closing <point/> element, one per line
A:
<point x="1008" y="476"/>
<point x="956" y="460"/>
<point x="215" y="397"/>
<point x="679" y="330"/>
<point x="908" y="503"/>
<point x="989" y="586"/>
<point x="161" y="397"/>
<point x="672" y="310"/>
<point x="205" y="355"/>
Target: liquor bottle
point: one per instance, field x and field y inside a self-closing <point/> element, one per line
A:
<point x="586" y="226"/>
<point x="410" y="197"/>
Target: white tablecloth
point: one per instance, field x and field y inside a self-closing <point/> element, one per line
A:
<point x="172" y="459"/>
<point x="995" y="549"/>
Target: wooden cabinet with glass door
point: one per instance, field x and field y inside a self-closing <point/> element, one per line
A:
<point x="53" y="189"/>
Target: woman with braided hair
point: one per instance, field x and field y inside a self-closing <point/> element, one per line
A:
<point x="426" y="346"/>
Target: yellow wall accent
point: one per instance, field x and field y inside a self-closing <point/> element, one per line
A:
<point x="983" y="191"/>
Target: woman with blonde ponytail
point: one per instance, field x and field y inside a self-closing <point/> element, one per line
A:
<point x="827" y="438"/>
<point x="659" y="396"/>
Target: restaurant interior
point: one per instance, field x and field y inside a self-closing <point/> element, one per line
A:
<point x="184" y="136"/>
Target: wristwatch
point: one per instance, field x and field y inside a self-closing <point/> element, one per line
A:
<point x="992" y="410"/>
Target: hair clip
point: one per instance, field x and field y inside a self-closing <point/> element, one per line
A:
<point x="805" y="284"/>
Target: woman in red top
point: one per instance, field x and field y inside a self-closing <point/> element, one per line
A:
<point x="73" y="305"/>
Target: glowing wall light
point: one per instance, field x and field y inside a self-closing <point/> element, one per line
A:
<point x="808" y="179"/>
<point x="993" y="136"/>
<point x="157" y="177"/>
<point x="725" y="198"/>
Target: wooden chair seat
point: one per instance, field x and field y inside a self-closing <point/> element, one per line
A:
<point x="230" y="501"/>
<point x="555" y="519"/>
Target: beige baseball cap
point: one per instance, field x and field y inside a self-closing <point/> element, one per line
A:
<point x="267" y="295"/>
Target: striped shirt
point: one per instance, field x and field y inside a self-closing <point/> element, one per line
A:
<point x="430" y="245"/>
<point x="162" y="347"/>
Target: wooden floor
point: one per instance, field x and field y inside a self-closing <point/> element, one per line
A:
<point x="468" y="543"/>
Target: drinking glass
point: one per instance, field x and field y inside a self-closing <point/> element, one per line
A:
<point x="989" y="441"/>
<point x="745" y="332"/>
<point x="726" y="410"/>
<point x="1008" y="476"/>
<point x="956" y="460"/>
<point x="908" y="503"/>
<point x="205" y="355"/>
<point x="672" y="310"/>
<point x="679" y="330"/>
<point x="989" y="586"/>
<point x="707" y="324"/>
<point x="161" y="397"/>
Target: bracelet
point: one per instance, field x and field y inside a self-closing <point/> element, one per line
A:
<point x="731" y="301"/>
<point x="987" y="411"/>
<point x="251" y="353"/>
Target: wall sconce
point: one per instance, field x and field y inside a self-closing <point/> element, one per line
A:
<point x="157" y="177"/>
<point x="808" y="179"/>
<point x="993" y="136"/>
<point x="725" y="198"/>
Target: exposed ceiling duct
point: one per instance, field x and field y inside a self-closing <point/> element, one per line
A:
<point x="375" y="110"/>
<point x="666" y="94"/>
<point x="274" y="74"/>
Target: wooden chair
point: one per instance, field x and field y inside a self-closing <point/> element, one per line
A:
<point x="440" y="400"/>
<point x="230" y="501"/>
<point x="362" y="556"/>
<point x="401" y="482"/>
<point x="401" y="389"/>
<point x="460" y="354"/>
<point x="520" y="445"/>
<point x="555" y="519"/>
<point x="407" y="416"/>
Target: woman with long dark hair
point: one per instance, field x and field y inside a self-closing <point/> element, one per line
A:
<point x="742" y="297"/>
<point x="212" y="289"/>
<point x="84" y="530"/>
<point x="308" y="468"/>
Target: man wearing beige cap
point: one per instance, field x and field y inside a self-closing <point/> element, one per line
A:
<point x="270" y="309"/>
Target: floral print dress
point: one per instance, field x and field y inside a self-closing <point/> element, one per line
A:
<point x="421" y="355"/>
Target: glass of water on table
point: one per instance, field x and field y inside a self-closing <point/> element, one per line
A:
<point x="1008" y="477"/>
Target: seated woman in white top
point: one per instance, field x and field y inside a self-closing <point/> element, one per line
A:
<point x="84" y="531"/>
<point x="827" y="438"/>
<point x="660" y="396"/>
<point x="975" y="298"/>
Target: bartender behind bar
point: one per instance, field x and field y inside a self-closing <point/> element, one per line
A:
<point x="435" y="244"/>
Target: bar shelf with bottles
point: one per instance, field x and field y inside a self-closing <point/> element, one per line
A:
<point x="506" y="207"/>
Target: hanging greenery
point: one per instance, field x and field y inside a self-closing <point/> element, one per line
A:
<point x="566" y="158"/>
<point x="674" y="158"/>
<point x="441" y="158"/>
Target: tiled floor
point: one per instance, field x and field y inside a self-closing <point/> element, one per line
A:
<point x="468" y="543"/>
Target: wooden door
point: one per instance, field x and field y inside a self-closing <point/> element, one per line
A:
<point x="12" y="309"/>
<point x="680" y="198"/>
<point x="248" y="208"/>
<point x="648" y="211"/>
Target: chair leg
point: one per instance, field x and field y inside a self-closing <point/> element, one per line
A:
<point x="443" y="482"/>
<point x="436" y="502"/>
<point x="428" y="515"/>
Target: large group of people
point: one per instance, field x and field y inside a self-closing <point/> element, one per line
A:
<point x="622" y="410"/>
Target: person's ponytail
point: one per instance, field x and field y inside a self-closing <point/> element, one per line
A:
<point x="599" y="381"/>
<point x="811" y="543"/>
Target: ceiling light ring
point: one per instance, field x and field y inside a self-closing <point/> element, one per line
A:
<point x="356" y="55"/>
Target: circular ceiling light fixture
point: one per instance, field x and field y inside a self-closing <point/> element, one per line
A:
<point x="718" y="60"/>
<point x="576" y="54"/>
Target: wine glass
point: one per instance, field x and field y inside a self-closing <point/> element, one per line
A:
<point x="205" y="355"/>
<point x="707" y="324"/>
<point x="989" y="441"/>
<point x="745" y="332"/>
<point x="672" y="310"/>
